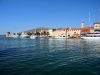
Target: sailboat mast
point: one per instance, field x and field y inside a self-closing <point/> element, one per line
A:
<point x="99" y="14"/>
<point x="89" y="22"/>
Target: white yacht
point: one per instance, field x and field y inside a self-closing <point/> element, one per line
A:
<point x="24" y="35"/>
<point x="94" y="35"/>
<point x="42" y="36"/>
<point x="60" y="37"/>
<point x="15" y="36"/>
<point x="33" y="36"/>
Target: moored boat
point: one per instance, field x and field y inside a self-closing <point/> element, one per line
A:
<point x="33" y="36"/>
<point x="24" y="35"/>
<point x="15" y="36"/>
<point x="94" y="35"/>
<point x="60" y="37"/>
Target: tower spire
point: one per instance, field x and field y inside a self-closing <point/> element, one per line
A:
<point x="82" y="25"/>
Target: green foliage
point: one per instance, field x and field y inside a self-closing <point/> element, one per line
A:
<point x="37" y="33"/>
<point x="44" y="33"/>
<point x="48" y="33"/>
<point x="29" y="33"/>
<point x="19" y="34"/>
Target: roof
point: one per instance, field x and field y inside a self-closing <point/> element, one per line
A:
<point x="76" y="34"/>
<point x="89" y="27"/>
<point x="85" y="28"/>
<point x="97" y="23"/>
<point x="65" y="28"/>
<point x="76" y="28"/>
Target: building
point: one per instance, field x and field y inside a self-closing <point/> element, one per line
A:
<point x="7" y="34"/>
<point x="72" y="32"/>
<point x="59" y="32"/>
<point x="97" y="26"/>
<point x="51" y="31"/>
<point x="77" y="32"/>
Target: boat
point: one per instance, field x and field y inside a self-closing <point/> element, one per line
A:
<point x="24" y="35"/>
<point x="92" y="35"/>
<point x="33" y="36"/>
<point x="60" y="37"/>
<point x="42" y="36"/>
<point x="15" y="36"/>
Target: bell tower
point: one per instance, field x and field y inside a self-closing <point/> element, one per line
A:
<point x="82" y="25"/>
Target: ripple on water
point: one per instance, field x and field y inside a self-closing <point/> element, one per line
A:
<point x="49" y="57"/>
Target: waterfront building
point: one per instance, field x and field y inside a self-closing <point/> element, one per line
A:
<point x="51" y="31"/>
<point x="74" y="32"/>
<point x="77" y="32"/>
<point x="7" y="34"/>
<point x="68" y="32"/>
<point x="97" y="26"/>
<point x="59" y="32"/>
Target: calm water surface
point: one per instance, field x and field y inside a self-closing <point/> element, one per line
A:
<point x="49" y="57"/>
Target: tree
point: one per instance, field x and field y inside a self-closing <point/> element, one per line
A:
<point x="37" y="33"/>
<point x="48" y="33"/>
<point x="29" y="33"/>
<point x="44" y="33"/>
<point x="19" y="34"/>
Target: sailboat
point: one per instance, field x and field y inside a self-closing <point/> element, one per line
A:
<point x="91" y="35"/>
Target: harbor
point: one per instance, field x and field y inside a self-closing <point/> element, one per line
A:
<point x="49" y="37"/>
<point x="63" y="33"/>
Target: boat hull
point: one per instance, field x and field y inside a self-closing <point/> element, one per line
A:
<point x="16" y="36"/>
<point x="60" y="37"/>
<point x="24" y="36"/>
<point x="33" y="37"/>
<point x="90" y="37"/>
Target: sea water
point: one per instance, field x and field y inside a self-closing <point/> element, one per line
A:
<point x="25" y="56"/>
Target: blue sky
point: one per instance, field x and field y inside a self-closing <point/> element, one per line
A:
<point x="21" y="15"/>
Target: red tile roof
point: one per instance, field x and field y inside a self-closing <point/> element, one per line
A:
<point x="75" y="28"/>
<point x="76" y="34"/>
<point x="85" y="28"/>
<point x="65" y="28"/>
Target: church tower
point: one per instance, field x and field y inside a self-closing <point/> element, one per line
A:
<point x="82" y="25"/>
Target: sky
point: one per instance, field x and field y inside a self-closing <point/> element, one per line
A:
<point x="21" y="15"/>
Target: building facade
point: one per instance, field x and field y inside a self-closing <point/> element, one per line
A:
<point x="97" y="26"/>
